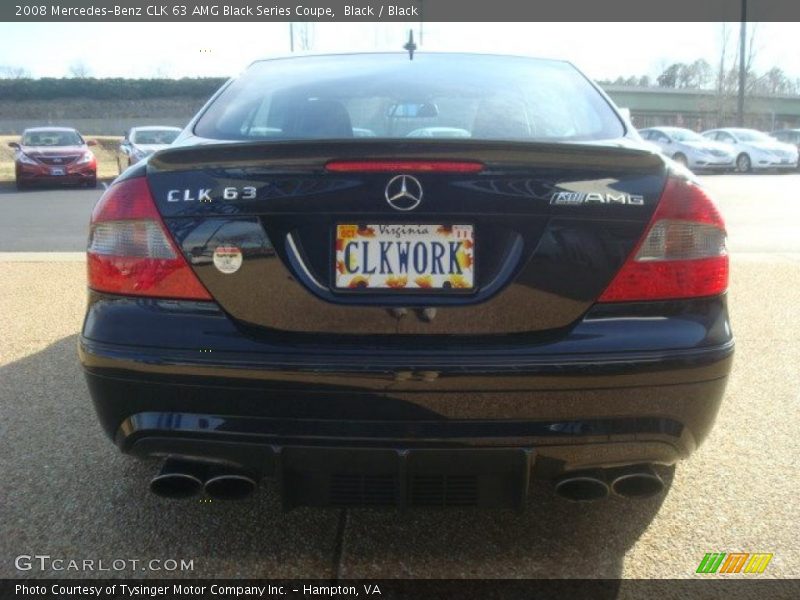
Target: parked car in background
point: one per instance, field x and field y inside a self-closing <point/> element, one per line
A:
<point x="404" y="320"/>
<point x="141" y="142"/>
<point x="755" y="150"/>
<point x="788" y="136"/>
<point x="54" y="155"/>
<point x="690" y="149"/>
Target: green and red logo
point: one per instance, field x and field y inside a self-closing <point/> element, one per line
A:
<point x="735" y="562"/>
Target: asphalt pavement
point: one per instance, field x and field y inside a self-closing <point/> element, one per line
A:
<point x="46" y="220"/>
<point x="759" y="211"/>
<point x="67" y="492"/>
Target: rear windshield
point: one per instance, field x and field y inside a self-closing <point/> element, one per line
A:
<point x="389" y="96"/>
<point x="51" y="138"/>
<point x="155" y="136"/>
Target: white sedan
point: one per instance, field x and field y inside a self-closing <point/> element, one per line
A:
<point x="755" y="150"/>
<point x="691" y="150"/>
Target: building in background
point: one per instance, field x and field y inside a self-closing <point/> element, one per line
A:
<point x="703" y="109"/>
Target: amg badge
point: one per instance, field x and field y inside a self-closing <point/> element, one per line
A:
<point x="576" y="198"/>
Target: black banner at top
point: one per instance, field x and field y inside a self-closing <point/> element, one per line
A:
<point x="399" y="10"/>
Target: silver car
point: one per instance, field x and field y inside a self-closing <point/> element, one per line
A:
<point x="141" y="142"/>
<point x="788" y="136"/>
<point x="690" y="149"/>
<point x="755" y="150"/>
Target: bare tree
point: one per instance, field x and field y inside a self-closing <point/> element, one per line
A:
<point x="12" y="72"/>
<point x="772" y="83"/>
<point x="723" y="69"/>
<point x="304" y="34"/>
<point x="669" y="77"/>
<point x="79" y="69"/>
<point x="727" y="84"/>
<point x="723" y="58"/>
<point x="696" y="75"/>
<point x="752" y="50"/>
<point x="162" y="71"/>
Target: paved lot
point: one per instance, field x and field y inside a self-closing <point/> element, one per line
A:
<point x="46" y="220"/>
<point x="66" y="492"/>
<point x="762" y="211"/>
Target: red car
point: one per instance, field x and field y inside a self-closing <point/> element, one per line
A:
<point x="54" y="155"/>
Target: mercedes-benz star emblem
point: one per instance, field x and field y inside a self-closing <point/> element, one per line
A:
<point x="404" y="192"/>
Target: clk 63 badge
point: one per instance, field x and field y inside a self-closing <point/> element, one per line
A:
<point x="204" y="194"/>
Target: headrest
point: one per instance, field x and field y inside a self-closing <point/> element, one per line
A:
<point x="318" y="119"/>
<point x="501" y="118"/>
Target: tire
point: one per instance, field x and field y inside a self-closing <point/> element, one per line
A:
<point x="743" y="163"/>
<point x="20" y="186"/>
<point x="92" y="183"/>
<point x="681" y="160"/>
<point x="119" y="166"/>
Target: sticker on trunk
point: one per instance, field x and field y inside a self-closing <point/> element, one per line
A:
<point x="228" y="259"/>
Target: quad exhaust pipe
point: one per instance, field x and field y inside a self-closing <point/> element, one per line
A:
<point x="229" y="484"/>
<point x="583" y="486"/>
<point x="184" y="479"/>
<point x="637" y="481"/>
<point x="179" y="479"/>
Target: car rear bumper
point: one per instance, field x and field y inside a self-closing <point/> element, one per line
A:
<point x="42" y="176"/>
<point x="714" y="166"/>
<point x="615" y="390"/>
<point x="781" y="166"/>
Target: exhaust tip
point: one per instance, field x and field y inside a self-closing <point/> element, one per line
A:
<point x="175" y="485"/>
<point x="582" y="487"/>
<point x="638" y="484"/>
<point x="178" y="479"/>
<point x="230" y="486"/>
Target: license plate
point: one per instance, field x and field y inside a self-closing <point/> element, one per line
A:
<point x="405" y="257"/>
<point x="56" y="171"/>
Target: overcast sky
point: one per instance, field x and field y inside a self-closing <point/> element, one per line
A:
<point x="602" y="50"/>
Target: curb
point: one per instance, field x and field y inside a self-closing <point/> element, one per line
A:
<point x="103" y="182"/>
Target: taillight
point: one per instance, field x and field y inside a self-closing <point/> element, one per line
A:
<point x="130" y="252"/>
<point x="682" y="254"/>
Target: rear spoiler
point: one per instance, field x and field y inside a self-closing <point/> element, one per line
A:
<point x="312" y="155"/>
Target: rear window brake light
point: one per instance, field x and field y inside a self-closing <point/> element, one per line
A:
<point x="414" y="166"/>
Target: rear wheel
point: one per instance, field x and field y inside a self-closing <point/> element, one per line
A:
<point x="681" y="160"/>
<point x="743" y="164"/>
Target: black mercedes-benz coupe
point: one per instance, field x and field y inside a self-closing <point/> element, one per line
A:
<point x="382" y="281"/>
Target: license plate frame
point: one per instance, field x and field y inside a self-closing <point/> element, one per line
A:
<point x="338" y="283"/>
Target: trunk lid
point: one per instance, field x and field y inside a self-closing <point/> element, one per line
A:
<point x="552" y="224"/>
